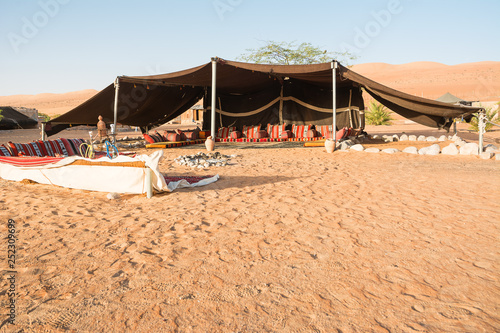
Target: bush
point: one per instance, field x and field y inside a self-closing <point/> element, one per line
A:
<point x="378" y="114"/>
<point x="490" y="115"/>
<point x="1" y="117"/>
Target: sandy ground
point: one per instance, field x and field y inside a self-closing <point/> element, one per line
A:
<point x="290" y="239"/>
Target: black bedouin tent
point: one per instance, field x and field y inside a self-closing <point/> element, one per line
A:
<point x="251" y="94"/>
<point x="13" y="119"/>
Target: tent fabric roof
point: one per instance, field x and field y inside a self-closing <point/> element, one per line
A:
<point x="155" y="99"/>
<point x="449" y="98"/>
<point x="13" y="119"/>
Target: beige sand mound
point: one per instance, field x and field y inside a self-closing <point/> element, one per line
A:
<point x="288" y="240"/>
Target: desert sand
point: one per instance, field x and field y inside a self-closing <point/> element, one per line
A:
<point x="290" y="239"/>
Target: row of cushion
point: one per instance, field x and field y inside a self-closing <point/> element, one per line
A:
<point x="60" y="147"/>
<point x="171" y="136"/>
<point x="279" y="132"/>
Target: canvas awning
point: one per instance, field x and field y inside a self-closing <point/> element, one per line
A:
<point x="251" y="94"/>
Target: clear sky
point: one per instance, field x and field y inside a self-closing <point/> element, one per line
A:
<point x="66" y="45"/>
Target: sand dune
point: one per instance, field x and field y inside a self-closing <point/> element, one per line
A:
<point x="346" y="242"/>
<point x="478" y="81"/>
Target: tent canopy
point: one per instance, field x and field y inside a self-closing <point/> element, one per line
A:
<point x="13" y="119"/>
<point x="251" y="94"/>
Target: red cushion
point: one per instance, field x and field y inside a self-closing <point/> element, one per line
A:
<point x="250" y="132"/>
<point x="224" y="132"/>
<point x="148" y="138"/>
<point x="325" y="130"/>
<point x="341" y="133"/>
<point x="49" y="149"/>
<point x="286" y="135"/>
<point x="16" y="149"/>
<point x="162" y="137"/>
<point x="4" y="151"/>
<point x="173" y="137"/>
<point x="261" y="134"/>
<point x="36" y="149"/>
<point x="312" y="133"/>
<point x="300" y="131"/>
<point x="236" y="135"/>
<point x="191" y="135"/>
<point x="275" y="131"/>
<point x="67" y="145"/>
<point x="42" y="148"/>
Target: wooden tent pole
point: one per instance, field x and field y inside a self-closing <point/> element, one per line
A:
<point x="213" y="104"/>
<point x="334" y="99"/>
<point x="115" y="109"/>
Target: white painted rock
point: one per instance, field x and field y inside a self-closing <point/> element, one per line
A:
<point x="403" y="137"/>
<point x="375" y="137"/>
<point x="470" y="148"/>
<point x="358" y="147"/>
<point x="454" y="137"/>
<point x="395" y="137"/>
<point x="390" y="150"/>
<point x="412" y="138"/>
<point x="442" y="138"/>
<point x="486" y="156"/>
<point x="489" y="148"/>
<point x="431" y="139"/>
<point x="497" y="157"/>
<point x="450" y="149"/>
<point x="423" y="151"/>
<point x="345" y="145"/>
<point x="410" y="150"/>
<point x="421" y="138"/>
<point x="435" y="149"/>
<point x="113" y="196"/>
<point x="372" y="150"/>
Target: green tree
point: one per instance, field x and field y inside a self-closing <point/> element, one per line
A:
<point x="1" y="117"/>
<point x="289" y="53"/>
<point x="378" y="114"/>
<point x="490" y="115"/>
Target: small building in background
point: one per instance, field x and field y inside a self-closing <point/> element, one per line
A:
<point x="194" y="115"/>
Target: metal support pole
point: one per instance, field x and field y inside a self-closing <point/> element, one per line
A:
<point x="481" y="124"/>
<point x="44" y="137"/>
<point x="334" y="99"/>
<point x="115" y="113"/>
<point x="455" y="126"/>
<point x="213" y="105"/>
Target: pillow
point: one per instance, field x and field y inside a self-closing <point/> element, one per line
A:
<point x="76" y="143"/>
<point x="173" y="137"/>
<point x="68" y="146"/>
<point x="300" y="131"/>
<point x="36" y="149"/>
<point x="250" y="132"/>
<point x="162" y="137"/>
<point x="42" y="148"/>
<point x="192" y="135"/>
<point x="275" y="131"/>
<point x="49" y="149"/>
<point x="16" y="149"/>
<point x="224" y="132"/>
<point x="325" y="130"/>
<point x="62" y="147"/>
<point x="4" y="151"/>
<point x="148" y="138"/>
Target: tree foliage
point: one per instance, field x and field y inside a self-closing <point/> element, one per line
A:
<point x="1" y="117"/>
<point x="378" y="114"/>
<point x="490" y="115"/>
<point x="291" y="53"/>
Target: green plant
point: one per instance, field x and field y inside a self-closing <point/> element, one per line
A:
<point x="289" y="53"/>
<point x="490" y="115"/>
<point x="1" y="117"/>
<point x="378" y="114"/>
<point x="45" y="116"/>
